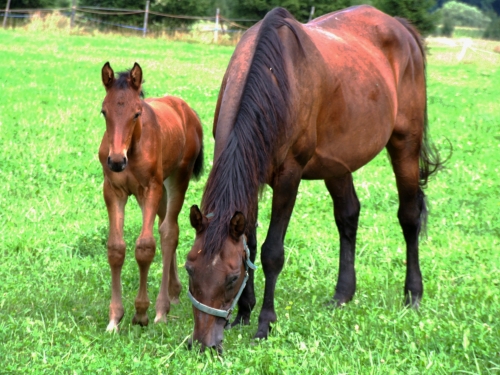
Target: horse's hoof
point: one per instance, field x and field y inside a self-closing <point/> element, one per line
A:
<point x="240" y="320"/>
<point x="190" y="343"/>
<point x="412" y="302"/>
<point x="262" y="334"/>
<point x="335" y="304"/>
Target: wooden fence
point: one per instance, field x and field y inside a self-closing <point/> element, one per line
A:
<point x="143" y="21"/>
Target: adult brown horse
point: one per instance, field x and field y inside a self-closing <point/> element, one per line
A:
<point x="150" y="149"/>
<point x="313" y="101"/>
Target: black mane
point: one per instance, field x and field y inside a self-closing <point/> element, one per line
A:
<point x="262" y="118"/>
<point x="123" y="82"/>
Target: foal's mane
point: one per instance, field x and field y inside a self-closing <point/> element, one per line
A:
<point x="123" y="82"/>
<point x="261" y="120"/>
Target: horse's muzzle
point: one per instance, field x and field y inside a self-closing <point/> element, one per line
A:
<point x="117" y="166"/>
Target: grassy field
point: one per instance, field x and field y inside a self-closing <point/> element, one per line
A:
<point x="54" y="276"/>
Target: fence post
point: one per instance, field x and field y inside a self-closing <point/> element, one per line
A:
<point x="216" y="31"/>
<point x="6" y="14"/>
<point x="73" y="9"/>
<point x="467" y="44"/>
<point x="145" y="28"/>
<point x="311" y="14"/>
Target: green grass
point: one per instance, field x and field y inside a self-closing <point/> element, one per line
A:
<point x="54" y="277"/>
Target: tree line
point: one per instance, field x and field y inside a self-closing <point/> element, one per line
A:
<point x="425" y="14"/>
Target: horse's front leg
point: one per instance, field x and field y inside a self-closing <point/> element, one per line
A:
<point x="273" y="255"/>
<point x="247" y="301"/>
<point x="145" y="248"/>
<point x="115" y="204"/>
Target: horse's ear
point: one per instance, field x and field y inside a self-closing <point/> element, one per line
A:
<point x="237" y="225"/>
<point x="196" y="218"/>
<point x="108" y="76"/>
<point x="136" y="76"/>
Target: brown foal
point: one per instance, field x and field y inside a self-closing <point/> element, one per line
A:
<point x="151" y="149"/>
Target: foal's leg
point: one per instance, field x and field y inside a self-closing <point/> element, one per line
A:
<point x="346" y="209"/>
<point x="115" y="204"/>
<point x="247" y="301"/>
<point x="404" y="152"/>
<point x="170" y="287"/>
<point x="145" y="248"/>
<point x="273" y="254"/>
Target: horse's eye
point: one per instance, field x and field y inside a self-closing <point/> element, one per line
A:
<point x="103" y="112"/>
<point x="136" y="116"/>
<point x="231" y="280"/>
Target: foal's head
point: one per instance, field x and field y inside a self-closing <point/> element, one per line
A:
<point x="122" y="109"/>
<point x="216" y="278"/>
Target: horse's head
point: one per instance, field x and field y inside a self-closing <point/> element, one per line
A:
<point x="122" y="109"/>
<point x="216" y="281"/>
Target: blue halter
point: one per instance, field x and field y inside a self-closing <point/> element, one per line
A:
<point x="226" y="314"/>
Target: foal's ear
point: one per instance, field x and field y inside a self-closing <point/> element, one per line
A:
<point x="196" y="218"/>
<point x="108" y="76"/>
<point x="237" y="225"/>
<point x="136" y="77"/>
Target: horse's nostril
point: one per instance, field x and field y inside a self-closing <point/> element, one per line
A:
<point x="109" y="160"/>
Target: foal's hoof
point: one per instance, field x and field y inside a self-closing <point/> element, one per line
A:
<point x="161" y="318"/>
<point x="112" y="327"/>
<point x="174" y="300"/>
<point x="143" y="320"/>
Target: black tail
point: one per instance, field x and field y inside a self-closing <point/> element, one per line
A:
<point x="198" y="164"/>
<point x="430" y="161"/>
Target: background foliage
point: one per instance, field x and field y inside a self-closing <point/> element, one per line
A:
<point x="425" y="14"/>
<point x="464" y="15"/>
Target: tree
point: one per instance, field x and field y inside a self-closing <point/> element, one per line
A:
<point x="493" y="29"/>
<point x="416" y="11"/>
<point x="257" y="9"/>
<point x="33" y="4"/>
<point x="464" y="15"/>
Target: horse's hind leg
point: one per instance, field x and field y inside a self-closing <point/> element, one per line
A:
<point x="170" y="287"/>
<point x="346" y="211"/>
<point x="115" y="204"/>
<point x="404" y="152"/>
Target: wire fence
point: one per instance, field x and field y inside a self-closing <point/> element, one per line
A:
<point x="143" y="21"/>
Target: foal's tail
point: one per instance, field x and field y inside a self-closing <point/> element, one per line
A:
<point x="198" y="164"/>
<point x="430" y="160"/>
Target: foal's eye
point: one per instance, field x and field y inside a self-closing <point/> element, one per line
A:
<point x="136" y="116"/>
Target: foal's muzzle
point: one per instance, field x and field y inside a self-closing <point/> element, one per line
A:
<point x="117" y="165"/>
